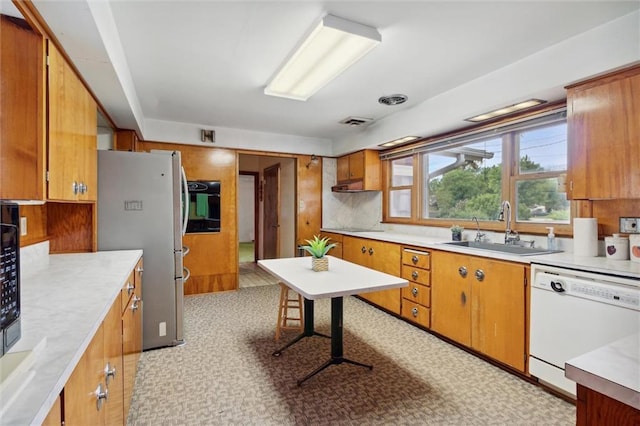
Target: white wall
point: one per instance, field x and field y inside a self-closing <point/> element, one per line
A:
<point x="246" y="210"/>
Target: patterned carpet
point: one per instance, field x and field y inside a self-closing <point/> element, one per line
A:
<point x="225" y="373"/>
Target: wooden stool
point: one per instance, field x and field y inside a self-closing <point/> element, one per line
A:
<point x="289" y="302"/>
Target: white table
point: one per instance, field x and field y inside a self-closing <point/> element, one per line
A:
<point x="342" y="279"/>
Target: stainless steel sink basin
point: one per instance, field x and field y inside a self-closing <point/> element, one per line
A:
<point x="503" y="248"/>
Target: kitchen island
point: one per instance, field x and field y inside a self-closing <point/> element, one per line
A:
<point x="64" y="299"/>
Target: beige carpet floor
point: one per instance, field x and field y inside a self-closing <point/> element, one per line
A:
<point x="225" y="374"/>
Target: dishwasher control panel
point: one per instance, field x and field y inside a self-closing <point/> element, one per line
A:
<point x="589" y="287"/>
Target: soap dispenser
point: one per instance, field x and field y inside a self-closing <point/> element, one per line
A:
<point x="551" y="239"/>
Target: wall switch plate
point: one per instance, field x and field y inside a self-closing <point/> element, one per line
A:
<point x="162" y="329"/>
<point x="23" y="226"/>
<point x="630" y="225"/>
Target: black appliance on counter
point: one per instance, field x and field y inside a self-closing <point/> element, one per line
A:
<point x="9" y="276"/>
<point x="204" y="206"/>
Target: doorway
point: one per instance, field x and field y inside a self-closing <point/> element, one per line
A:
<point x="248" y="216"/>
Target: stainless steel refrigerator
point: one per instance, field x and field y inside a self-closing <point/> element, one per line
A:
<point x="141" y="206"/>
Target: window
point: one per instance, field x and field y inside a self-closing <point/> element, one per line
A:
<point x="469" y="176"/>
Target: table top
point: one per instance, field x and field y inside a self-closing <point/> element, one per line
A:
<point x="342" y="279"/>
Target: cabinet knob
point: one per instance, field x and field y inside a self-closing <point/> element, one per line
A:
<point x="414" y="275"/>
<point x="140" y="270"/>
<point x="479" y="275"/>
<point x="130" y="288"/>
<point x="134" y="304"/>
<point x="414" y="312"/>
<point x="414" y="259"/>
<point x="363" y="249"/>
<point x="75" y="187"/>
<point x="370" y="251"/>
<point x="462" y="271"/>
<point x="82" y="188"/>
<point x="101" y="396"/>
<point x="109" y="372"/>
<point x="414" y="291"/>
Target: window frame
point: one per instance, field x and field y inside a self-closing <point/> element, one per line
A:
<point x="510" y="176"/>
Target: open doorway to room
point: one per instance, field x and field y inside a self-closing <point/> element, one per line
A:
<point x="257" y="176"/>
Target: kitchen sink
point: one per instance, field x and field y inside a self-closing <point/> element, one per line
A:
<point x="503" y="248"/>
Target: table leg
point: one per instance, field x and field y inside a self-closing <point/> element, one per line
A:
<point x="336" y="341"/>
<point x="308" y="327"/>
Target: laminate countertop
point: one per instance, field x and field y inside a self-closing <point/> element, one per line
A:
<point x="602" y="265"/>
<point x="63" y="302"/>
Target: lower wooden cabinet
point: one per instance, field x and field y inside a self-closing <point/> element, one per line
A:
<point x="416" y="299"/>
<point x="99" y="390"/>
<point x="594" y="408"/>
<point x="481" y="303"/>
<point x="378" y="255"/>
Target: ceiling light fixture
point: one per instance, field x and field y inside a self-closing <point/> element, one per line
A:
<point x="330" y="48"/>
<point x="506" y="110"/>
<point x="399" y="141"/>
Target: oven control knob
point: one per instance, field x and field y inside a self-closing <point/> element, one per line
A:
<point x="557" y="286"/>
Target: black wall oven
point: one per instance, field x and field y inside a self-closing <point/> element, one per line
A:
<point x="9" y="276"/>
<point x="204" y="206"/>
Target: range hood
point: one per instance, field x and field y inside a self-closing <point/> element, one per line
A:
<point x="355" y="186"/>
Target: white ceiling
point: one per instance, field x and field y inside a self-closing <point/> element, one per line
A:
<point x="205" y="63"/>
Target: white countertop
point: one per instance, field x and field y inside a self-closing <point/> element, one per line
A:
<point x="342" y="279"/>
<point x="624" y="268"/>
<point x="612" y="370"/>
<point x="63" y="302"/>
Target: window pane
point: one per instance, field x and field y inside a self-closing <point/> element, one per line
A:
<point x="464" y="181"/>
<point x="538" y="200"/>
<point x="402" y="171"/>
<point x="543" y="149"/>
<point x="400" y="203"/>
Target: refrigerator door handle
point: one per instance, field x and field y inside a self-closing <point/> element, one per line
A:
<point x="187" y="275"/>
<point x="185" y="210"/>
<point x="185" y="250"/>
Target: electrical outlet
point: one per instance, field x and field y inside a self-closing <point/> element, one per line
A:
<point x="162" y="329"/>
<point x="630" y="225"/>
<point x="23" y="226"/>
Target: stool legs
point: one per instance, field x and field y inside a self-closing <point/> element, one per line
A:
<point x="289" y="302"/>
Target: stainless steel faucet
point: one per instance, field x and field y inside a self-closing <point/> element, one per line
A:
<point x="510" y="237"/>
<point x="479" y="235"/>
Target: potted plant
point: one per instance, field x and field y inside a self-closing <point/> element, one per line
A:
<point x="318" y="248"/>
<point x="456" y="232"/>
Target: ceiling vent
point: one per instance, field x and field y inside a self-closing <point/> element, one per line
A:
<point x="393" y="99"/>
<point x="356" y="121"/>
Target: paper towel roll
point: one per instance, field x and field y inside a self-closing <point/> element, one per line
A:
<point x="585" y="237"/>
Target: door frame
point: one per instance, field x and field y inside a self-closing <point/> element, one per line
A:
<point x="256" y="213"/>
<point x="278" y="168"/>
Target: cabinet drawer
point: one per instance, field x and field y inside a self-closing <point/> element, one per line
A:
<point x="126" y="292"/>
<point x="417" y="258"/>
<point x="417" y="293"/>
<point x="420" y="276"/>
<point x="416" y="313"/>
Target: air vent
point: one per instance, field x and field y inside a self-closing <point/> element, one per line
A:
<point x="392" y="99"/>
<point x="356" y="121"/>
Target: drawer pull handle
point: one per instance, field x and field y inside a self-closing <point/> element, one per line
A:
<point x="363" y="249"/>
<point x="414" y="259"/>
<point x="479" y="274"/>
<point x="370" y="251"/>
<point x="130" y="288"/>
<point x="414" y="291"/>
<point x="414" y="275"/>
<point x="462" y="271"/>
<point x="414" y="312"/>
<point x="109" y="372"/>
<point x="135" y="304"/>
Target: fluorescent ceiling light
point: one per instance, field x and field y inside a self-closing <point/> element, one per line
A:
<point x="399" y="141"/>
<point x="506" y="110"/>
<point x="332" y="46"/>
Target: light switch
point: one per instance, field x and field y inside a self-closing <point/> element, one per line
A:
<point x="23" y="226"/>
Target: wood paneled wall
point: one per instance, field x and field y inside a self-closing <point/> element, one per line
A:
<point x="36" y="224"/>
<point x="309" y="198"/>
<point x="609" y="213"/>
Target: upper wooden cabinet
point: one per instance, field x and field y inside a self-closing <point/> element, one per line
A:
<point x="604" y="136"/>
<point x="72" y="131"/>
<point x="480" y="303"/>
<point x="364" y="166"/>
<point x="21" y="103"/>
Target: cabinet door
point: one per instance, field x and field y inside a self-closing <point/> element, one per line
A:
<point x="21" y="141"/>
<point x="114" y="382"/>
<point x="334" y="238"/>
<point x="72" y="128"/>
<point x="498" y="311"/>
<point x="343" y="169"/>
<point x="356" y="165"/>
<point x="80" y="397"/>
<point x="451" y="296"/>
<point x="603" y="131"/>
<point x="132" y="338"/>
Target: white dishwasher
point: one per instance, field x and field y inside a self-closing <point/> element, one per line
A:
<point x="574" y="312"/>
